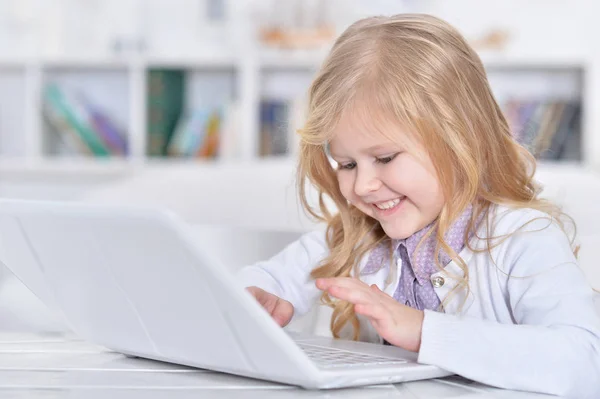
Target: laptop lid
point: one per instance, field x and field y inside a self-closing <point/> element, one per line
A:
<point x="134" y="280"/>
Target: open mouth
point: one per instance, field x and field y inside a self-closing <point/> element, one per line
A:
<point x="387" y="207"/>
<point x="388" y="204"/>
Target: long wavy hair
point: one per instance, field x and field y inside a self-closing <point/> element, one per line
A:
<point x="418" y="71"/>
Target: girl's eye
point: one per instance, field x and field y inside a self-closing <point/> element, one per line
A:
<point x="347" y="166"/>
<point x="385" y="160"/>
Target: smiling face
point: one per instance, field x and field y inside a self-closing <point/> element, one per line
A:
<point x="395" y="184"/>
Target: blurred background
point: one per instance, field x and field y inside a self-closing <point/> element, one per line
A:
<point x="193" y="104"/>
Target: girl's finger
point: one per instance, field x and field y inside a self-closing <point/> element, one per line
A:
<point x="348" y="282"/>
<point x="355" y="296"/>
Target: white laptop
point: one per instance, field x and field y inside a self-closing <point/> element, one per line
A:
<point x="136" y="281"/>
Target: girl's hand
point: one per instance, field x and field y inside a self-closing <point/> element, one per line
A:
<point x="398" y="324"/>
<point x="279" y="309"/>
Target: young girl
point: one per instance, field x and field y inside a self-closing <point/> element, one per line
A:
<point x="439" y="243"/>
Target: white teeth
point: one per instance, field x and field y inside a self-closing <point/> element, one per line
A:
<point x="388" y="204"/>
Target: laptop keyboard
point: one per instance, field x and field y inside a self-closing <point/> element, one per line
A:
<point x="326" y="357"/>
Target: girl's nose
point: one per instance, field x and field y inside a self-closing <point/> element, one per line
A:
<point x="366" y="183"/>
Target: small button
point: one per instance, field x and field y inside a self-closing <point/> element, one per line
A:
<point x="438" y="281"/>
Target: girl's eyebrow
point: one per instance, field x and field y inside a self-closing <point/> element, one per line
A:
<point x="380" y="147"/>
<point x="373" y="148"/>
<point x="334" y="155"/>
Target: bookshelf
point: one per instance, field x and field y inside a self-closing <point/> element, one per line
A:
<point x="13" y="79"/>
<point x="241" y="84"/>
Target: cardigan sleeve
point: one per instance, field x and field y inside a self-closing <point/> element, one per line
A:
<point x="553" y="346"/>
<point x="287" y="274"/>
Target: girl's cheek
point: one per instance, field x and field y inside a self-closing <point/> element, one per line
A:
<point x="346" y="189"/>
<point x="397" y="179"/>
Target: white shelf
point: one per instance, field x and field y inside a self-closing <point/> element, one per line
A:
<point x="88" y="168"/>
<point x="291" y="60"/>
<point x="208" y="62"/>
<point x="313" y="60"/>
<point x="514" y="62"/>
<point x="273" y="60"/>
<point x="85" y="63"/>
<point x="100" y="168"/>
<point x="250" y="79"/>
<point x="95" y="63"/>
<point x="13" y="64"/>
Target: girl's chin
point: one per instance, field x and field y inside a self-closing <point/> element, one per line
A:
<point x="397" y="235"/>
<point x="398" y="229"/>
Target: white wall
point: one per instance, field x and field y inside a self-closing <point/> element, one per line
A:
<point x="265" y="197"/>
<point x="538" y="25"/>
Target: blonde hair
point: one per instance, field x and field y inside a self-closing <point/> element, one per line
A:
<point x="419" y="72"/>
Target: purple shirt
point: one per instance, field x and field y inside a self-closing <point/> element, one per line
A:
<point x="415" y="288"/>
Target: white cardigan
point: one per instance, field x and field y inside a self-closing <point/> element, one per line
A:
<point x="528" y="323"/>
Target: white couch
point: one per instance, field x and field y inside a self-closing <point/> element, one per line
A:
<point x="254" y="208"/>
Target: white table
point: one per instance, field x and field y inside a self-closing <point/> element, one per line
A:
<point x="61" y="366"/>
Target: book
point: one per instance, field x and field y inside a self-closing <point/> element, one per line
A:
<point x="547" y="128"/>
<point x="198" y="134"/>
<point x="108" y="131"/>
<point x="165" y="104"/>
<point x="274" y="125"/>
<point x="69" y="115"/>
